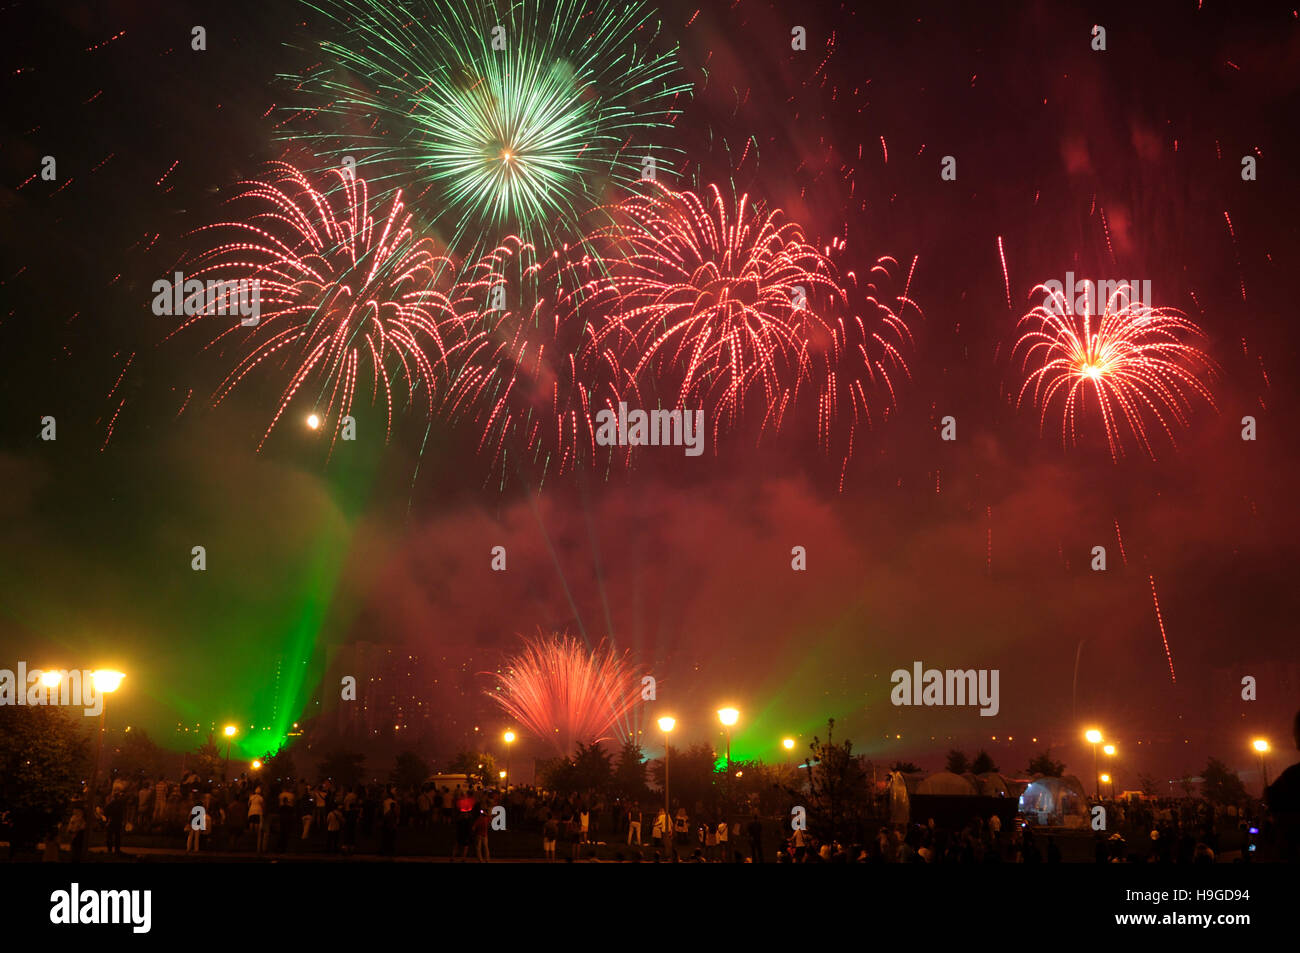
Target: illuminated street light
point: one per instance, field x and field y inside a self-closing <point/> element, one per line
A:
<point x="509" y="737"/>
<point x="1094" y="737"/>
<point x="230" y="735"/>
<point x="313" y="421"/>
<point x="666" y="725"/>
<point x="105" y="682"/>
<point x="728" y="717"/>
<point x="1262" y="748"/>
<point x="51" y="679"/>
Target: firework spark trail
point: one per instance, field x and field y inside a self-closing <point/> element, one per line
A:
<point x="1006" y="278"/>
<point x="1120" y="538"/>
<point x="566" y="693"/>
<point x="340" y="290"/>
<point x="1135" y="361"/>
<point x="1236" y="252"/>
<point x="1155" y="601"/>
<point x="516" y="130"/>
<point x="988" y="558"/>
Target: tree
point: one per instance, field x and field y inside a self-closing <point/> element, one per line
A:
<point x="410" y="770"/>
<point x="480" y="766"/>
<point x="630" y="775"/>
<point x="278" y="765"/>
<point x="906" y="767"/>
<point x="345" y="767"/>
<point x="838" y="796"/>
<point x="1221" y="785"/>
<point x="1147" y="784"/>
<point x="44" y="756"/>
<point x="957" y="762"/>
<point x="692" y="775"/>
<point x="592" y="767"/>
<point x="983" y="763"/>
<point x="1044" y="765"/>
<point x="138" y="756"/>
<point x="208" y="760"/>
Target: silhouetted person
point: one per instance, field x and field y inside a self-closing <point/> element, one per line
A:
<point x="115" y="814"/>
<point x="755" y="832"/>
<point x="1283" y="800"/>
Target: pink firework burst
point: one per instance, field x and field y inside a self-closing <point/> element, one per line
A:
<point x="714" y="303"/>
<point x="1136" y="366"/>
<point x="565" y="693"/>
<point x="344" y="295"/>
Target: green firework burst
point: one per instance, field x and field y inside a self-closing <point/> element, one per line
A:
<point x="499" y="116"/>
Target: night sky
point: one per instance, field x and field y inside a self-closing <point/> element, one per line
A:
<point x="966" y="554"/>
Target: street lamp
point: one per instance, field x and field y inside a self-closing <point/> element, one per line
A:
<point x="666" y="725"/>
<point x="788" y="744"/>
<point x="105" y="681"/>
<point x="728" y="717"/>
<point x="1109" y="751"/>
<point x="230" y="735"/>
<point x="1094" y="737"/>
<point x="1262" y="747"/>
<point x="509" y="737"/>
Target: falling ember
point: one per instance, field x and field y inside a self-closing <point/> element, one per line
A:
<point x="1155" y="600"/>
<point x="1006" y="279"/>
<point x="1122" y="555"/>
<point x="988" y="559"/>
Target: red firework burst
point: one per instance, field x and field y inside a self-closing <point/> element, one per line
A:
<point x="1133" y="363"/>
<point x="531" y="377"/>
<point x="725" y="307"/>
<point x="566" y="693"/>
<point x="714" y="303"/>
<point x="341" y="293"/>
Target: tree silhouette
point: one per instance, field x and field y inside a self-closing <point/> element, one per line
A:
<point x="983" y="763"/>
<point x="1043" y="764"/>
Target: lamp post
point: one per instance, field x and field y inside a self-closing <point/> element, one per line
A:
<point x="230" y="735"/>
<point x="105" y="682"/>
<point x="666" y="725"/>
<point x="509" y="737"/>
<point x="1262" y="747"/>
<point x="728" y="717"/>
<point x="1109" y="752"/>
<point x="788" y="745"/>
<point x="1094" y="736"/>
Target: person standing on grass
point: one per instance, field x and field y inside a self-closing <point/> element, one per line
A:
<point x="256" y="811"/>
<point x="333" y="829"/>
<point x="550" y="834"/>
<point x="659" y="831"/>
<point x="482" y="824"/>
<point x="634" y="823"/>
